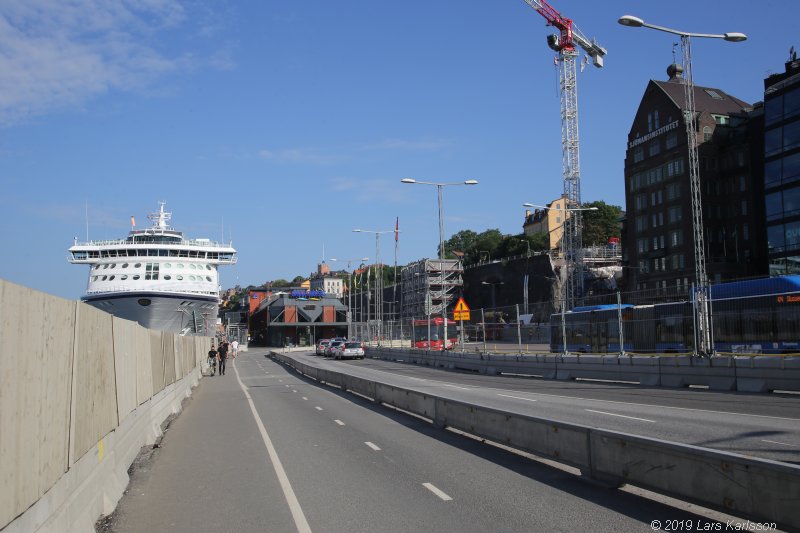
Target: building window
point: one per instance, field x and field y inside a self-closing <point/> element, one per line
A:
<point x="673" y="191"/>
<point x="675" y="214"/>
<point x="707" y="133"/>
<point x="638" y="154"/>
<point x="672" y="139"/>
<point x="675" y="238"/>
<point x="151" y="271"/>
<point x="654" y="148"/>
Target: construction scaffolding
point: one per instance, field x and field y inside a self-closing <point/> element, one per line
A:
<point x="430" y="286"/>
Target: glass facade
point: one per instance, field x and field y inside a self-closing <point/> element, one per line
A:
<point x="782" y="170"/>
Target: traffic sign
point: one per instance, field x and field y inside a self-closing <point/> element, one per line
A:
<point x="461" y="311"/>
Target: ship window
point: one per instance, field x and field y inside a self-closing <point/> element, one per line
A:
<point x="137" y="265"/>
<point x="110" y="278"/>
<point x="167" y="265"/>
<point x="123" y="277"/>
<point x="97" y="267"/>
<point x="144" y="302"/>
<point x="151" y="271"/>
<point x="105" y="278"/>
<point x="105" y="266"/>
<point x="180" y="265"/>
<point x="191" y="265"/>
<point x="208" y="278"/>
<point x="179" y="278"/>
<point x="208" y="267"/>
<point x="167" y="276"/>
<point x="94" y="278"/>
<point x="152" y="253"/>
<point x="113" y="265"/>
<point x="124" y="265"/>
<point x="136" y="276"/>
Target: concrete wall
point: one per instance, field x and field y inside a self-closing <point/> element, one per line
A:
<point x="80" y="393"/>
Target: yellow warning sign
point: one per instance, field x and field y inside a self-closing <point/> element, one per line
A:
<point x="461" y="311"/>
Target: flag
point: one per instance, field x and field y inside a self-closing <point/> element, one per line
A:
<point x="397" y="229"/>
<point x="133" y="222"/>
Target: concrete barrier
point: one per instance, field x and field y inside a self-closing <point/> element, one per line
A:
<point x="80" y="393"/>
<point x="758" y="489"/>
<point x="749" y="374"/>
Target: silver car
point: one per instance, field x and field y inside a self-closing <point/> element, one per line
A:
<point x="330" y="350"/>
<point x="349" y="349"/>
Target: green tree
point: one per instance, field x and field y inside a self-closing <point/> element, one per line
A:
<point x="599" y="225"/>
<point x="280" y="282"/>
<point x="463" y="241"/>
<point x="298" y="280"/>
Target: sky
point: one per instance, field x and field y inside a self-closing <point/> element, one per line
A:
<point x="284" y="125"/>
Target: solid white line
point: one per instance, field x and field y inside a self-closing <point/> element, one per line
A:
<point x="372" y="446"/>
<point x="776" y="442"/>
<point x="621" y="416"/>
<point x="518" y="398"/>
<point x="339" y="422"/>
<point x="294" y="505"/>
<point x="436" y="491"/>
<point x="318" y="408"/>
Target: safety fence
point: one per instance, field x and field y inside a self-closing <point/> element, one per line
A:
<point x="80" y="393"/>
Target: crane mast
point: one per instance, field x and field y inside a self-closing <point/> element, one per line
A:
<point x="564" y="43"/>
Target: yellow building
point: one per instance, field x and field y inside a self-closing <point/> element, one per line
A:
<point x="549" y="221"/>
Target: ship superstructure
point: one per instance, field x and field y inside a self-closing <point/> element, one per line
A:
<point x="156" y="276"/>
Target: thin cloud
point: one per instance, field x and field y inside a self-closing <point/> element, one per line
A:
<point x="324" y="156"/>
<point x="388" y="190"/>
<point x="428" y="145"/>
<point x="57" y="55"/>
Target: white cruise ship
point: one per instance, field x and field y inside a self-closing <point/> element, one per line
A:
<point x="156" y="277"/>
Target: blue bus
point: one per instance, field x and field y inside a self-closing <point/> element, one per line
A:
<point x="755" y="316"/>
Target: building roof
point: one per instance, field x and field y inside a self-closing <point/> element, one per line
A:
<point x="706" y="99"/>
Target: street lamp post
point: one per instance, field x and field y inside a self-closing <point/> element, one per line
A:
<point x="378" y="279"/>
<point x="704" y="344"/>
<point x="439" y="187"/>
<point x="493" y="284"/>
<point x="350" y="291"/>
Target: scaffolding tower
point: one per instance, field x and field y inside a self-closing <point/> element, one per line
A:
<point x="429" y="286"/>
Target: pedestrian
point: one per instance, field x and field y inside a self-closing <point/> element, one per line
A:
<point x="235" y="348"/>
<point x="212" y="360"/>
<point x="222" y="355"/>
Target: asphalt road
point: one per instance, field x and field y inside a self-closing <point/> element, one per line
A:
<point x="762" y="425"/>
<point x="332" y="461"/>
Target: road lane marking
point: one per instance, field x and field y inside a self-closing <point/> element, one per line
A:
<point x="318" y="408"/>
<point x="372" y="446"/>
<point x="291" y="498"/>
<point x="306" y="399"/>
<point x="621" y="416"/>
<point x="436" y="491"/>
<point x="339" y="422"/>
<point x="294" y="390"/>
<point x="782" y="443"/>
<point x="518" y="398"/>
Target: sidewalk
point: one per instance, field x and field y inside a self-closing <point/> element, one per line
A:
<point x="211" y="471"/>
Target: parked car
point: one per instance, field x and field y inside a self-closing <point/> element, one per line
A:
<point x="321" y="345"/>
<point x="330" y="351"/>
<point x="348" y="349"/>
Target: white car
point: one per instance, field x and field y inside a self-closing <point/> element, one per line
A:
<point x="330" y="351"/>
<point x="352" y="349"/>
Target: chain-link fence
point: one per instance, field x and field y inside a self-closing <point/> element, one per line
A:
<point x="751" y="317"/>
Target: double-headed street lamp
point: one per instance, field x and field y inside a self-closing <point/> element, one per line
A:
<point x="378" y="279"/>
<point x="704" y="344"/>
<point x="350" y="291"/>
<point x="439" y="187"/>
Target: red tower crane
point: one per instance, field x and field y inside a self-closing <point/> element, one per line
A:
<point x="564" y="43"/>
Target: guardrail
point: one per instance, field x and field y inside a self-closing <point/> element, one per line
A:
<point x="762" y="373"/>
<point x="758" y="489"/>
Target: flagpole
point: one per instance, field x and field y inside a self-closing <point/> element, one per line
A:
<point x="394" y="287"/>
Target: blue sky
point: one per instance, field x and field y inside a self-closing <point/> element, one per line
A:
<point x="290" y="123"/>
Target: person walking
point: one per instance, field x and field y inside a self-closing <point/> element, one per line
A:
<point x="212" y="360"/>
<point x="222" y="355"/>
<point x="235" y="348"/>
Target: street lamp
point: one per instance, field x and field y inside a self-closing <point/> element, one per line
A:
<point x="569" y="256"/>
<point x="350" y="291"/>
<point x="378" y="279"/>
<point x="493" y="284"/>
<point x="704" y="344"/>
<point x="439" y="187"/>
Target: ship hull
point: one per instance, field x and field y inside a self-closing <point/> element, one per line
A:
<point x="178" y="313"/>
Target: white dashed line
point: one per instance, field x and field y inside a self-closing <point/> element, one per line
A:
<point x="517" y="397"/>
<point x="372" y="446"/>
<point x="306" y="399"/>
<point x="436" y="491"/>
<point x="318" y="408"/>
<point x="339" y="422"/>
<point x="781" y="443"/>
<point x="294" y="390"/>
<point x="621" y="416"/>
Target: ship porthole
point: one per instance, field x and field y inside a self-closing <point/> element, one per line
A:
<point x="144" y="302"/>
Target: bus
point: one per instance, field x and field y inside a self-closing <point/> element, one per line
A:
<point x="421" y="329"/>
<point x="749" y="317"/>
